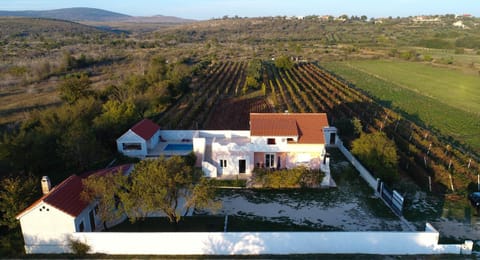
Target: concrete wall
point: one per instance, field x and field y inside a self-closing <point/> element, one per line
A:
<point x="248" y="243"/>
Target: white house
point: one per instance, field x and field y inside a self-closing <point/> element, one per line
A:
<point x="139" y="139"/>
<point x="275" y="140"/>
<point x="459" y="24"/>
<point x="47" y="223"/>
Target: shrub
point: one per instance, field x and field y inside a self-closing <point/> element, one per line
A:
<point x="78" y="247"/>
<point x="230" y="183"/>
<point x="427" y="57"/>
<point x="284" y="62"/>
<point x="287" y="178"/>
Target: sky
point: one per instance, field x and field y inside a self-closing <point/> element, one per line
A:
<point x="206" y="9"/>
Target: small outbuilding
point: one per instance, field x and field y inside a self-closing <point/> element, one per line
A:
<point x="139" y="139"/>
<point x="47" y="223"/>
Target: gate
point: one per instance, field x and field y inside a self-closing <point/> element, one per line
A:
<point x="391" y="197"/>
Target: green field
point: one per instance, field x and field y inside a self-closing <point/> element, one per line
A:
<point x="438" y="98"/>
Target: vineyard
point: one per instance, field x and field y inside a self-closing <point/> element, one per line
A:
<point x="216" y="102"/>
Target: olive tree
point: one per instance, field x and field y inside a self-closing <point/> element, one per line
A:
<point x="171" y="186"/>
<point x="379" y="154"/>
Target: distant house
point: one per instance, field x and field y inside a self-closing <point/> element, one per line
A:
<point x="425" y="19"/>
<point x="47" y="223"/>
<point x="139" y="139"/>
<point x="459" y="24"/>
<point x="274" y="141"/>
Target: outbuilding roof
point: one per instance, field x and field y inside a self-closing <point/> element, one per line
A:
<point x="66" y="195"/>
<point x="308" y="127"/>
<point x="145" y="129"/>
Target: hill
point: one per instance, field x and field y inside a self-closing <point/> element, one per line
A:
<point x="21" y="27"/>
<point x="71" y="14"/>
<point x="159" y="19"/>
<point x="94" y="15"/>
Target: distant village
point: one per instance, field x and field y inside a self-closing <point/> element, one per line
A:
<point x="343" y="18"/>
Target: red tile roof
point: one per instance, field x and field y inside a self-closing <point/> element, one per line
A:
<point x="66" y="195"/>
<point x="307" y="126"/>
<point x="271" y="126"/>
<point x="145" y="129"/>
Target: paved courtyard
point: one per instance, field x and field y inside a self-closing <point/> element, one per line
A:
<point x="351" y="206"/>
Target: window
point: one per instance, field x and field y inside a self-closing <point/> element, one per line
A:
<point x="81" y="227"/>
<point x="271" y="141"/>
<point x="223" y="163"/>
<point x="290" y="140"/>
<point x="132" y="146"/>
<point x="269" y="160"/>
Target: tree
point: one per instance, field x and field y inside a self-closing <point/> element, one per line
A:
<point x="254" y="75"/>
<point x="106" y="190"/>
<point x="16" y="193"/>
<point x="166" y="185"/>
<point x="379" y="155"/>
<point x="251" y="82"/>
<point x="357" y="127"/>
<point x="349" y="128"/>
<point x="78" y="146"/>
<point x="284" y="62"/>
<point x="75" y="87"/>
<point x="157" y="70"/>
<point x="116" y="113"/>
<point x="255" y="69"/>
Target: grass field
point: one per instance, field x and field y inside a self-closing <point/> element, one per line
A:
<point x="438" y="98"/>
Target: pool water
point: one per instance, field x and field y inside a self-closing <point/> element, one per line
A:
<point x="179" y="147"/>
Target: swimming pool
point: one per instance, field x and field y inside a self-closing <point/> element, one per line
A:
<point x="179" y="147"/>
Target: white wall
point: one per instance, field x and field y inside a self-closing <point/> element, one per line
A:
<point x="209" y="170"/>
<point x="177" y="134"/>
<point x="248" y="243"/>
<point x="131" y="137"/>
<point x="189" y="134"/>
<point x="199" y="146"/>
<point x="279" y="140"/>
<point x="327" y="131"/>
<point x="153" y="141"/>
<point x="84" y="217"/>
<point x="46" y="227"/>
<point x="232" y="157"/>
<point x="224" y="133"/>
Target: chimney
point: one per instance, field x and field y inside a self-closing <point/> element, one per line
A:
<point x="46" y="185"/>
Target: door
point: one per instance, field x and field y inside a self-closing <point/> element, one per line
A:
<point x="92" y="220"/>
<point x="332" y="138"/>
<point x="269" y="160"/>
<point x="242" y="166"/>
